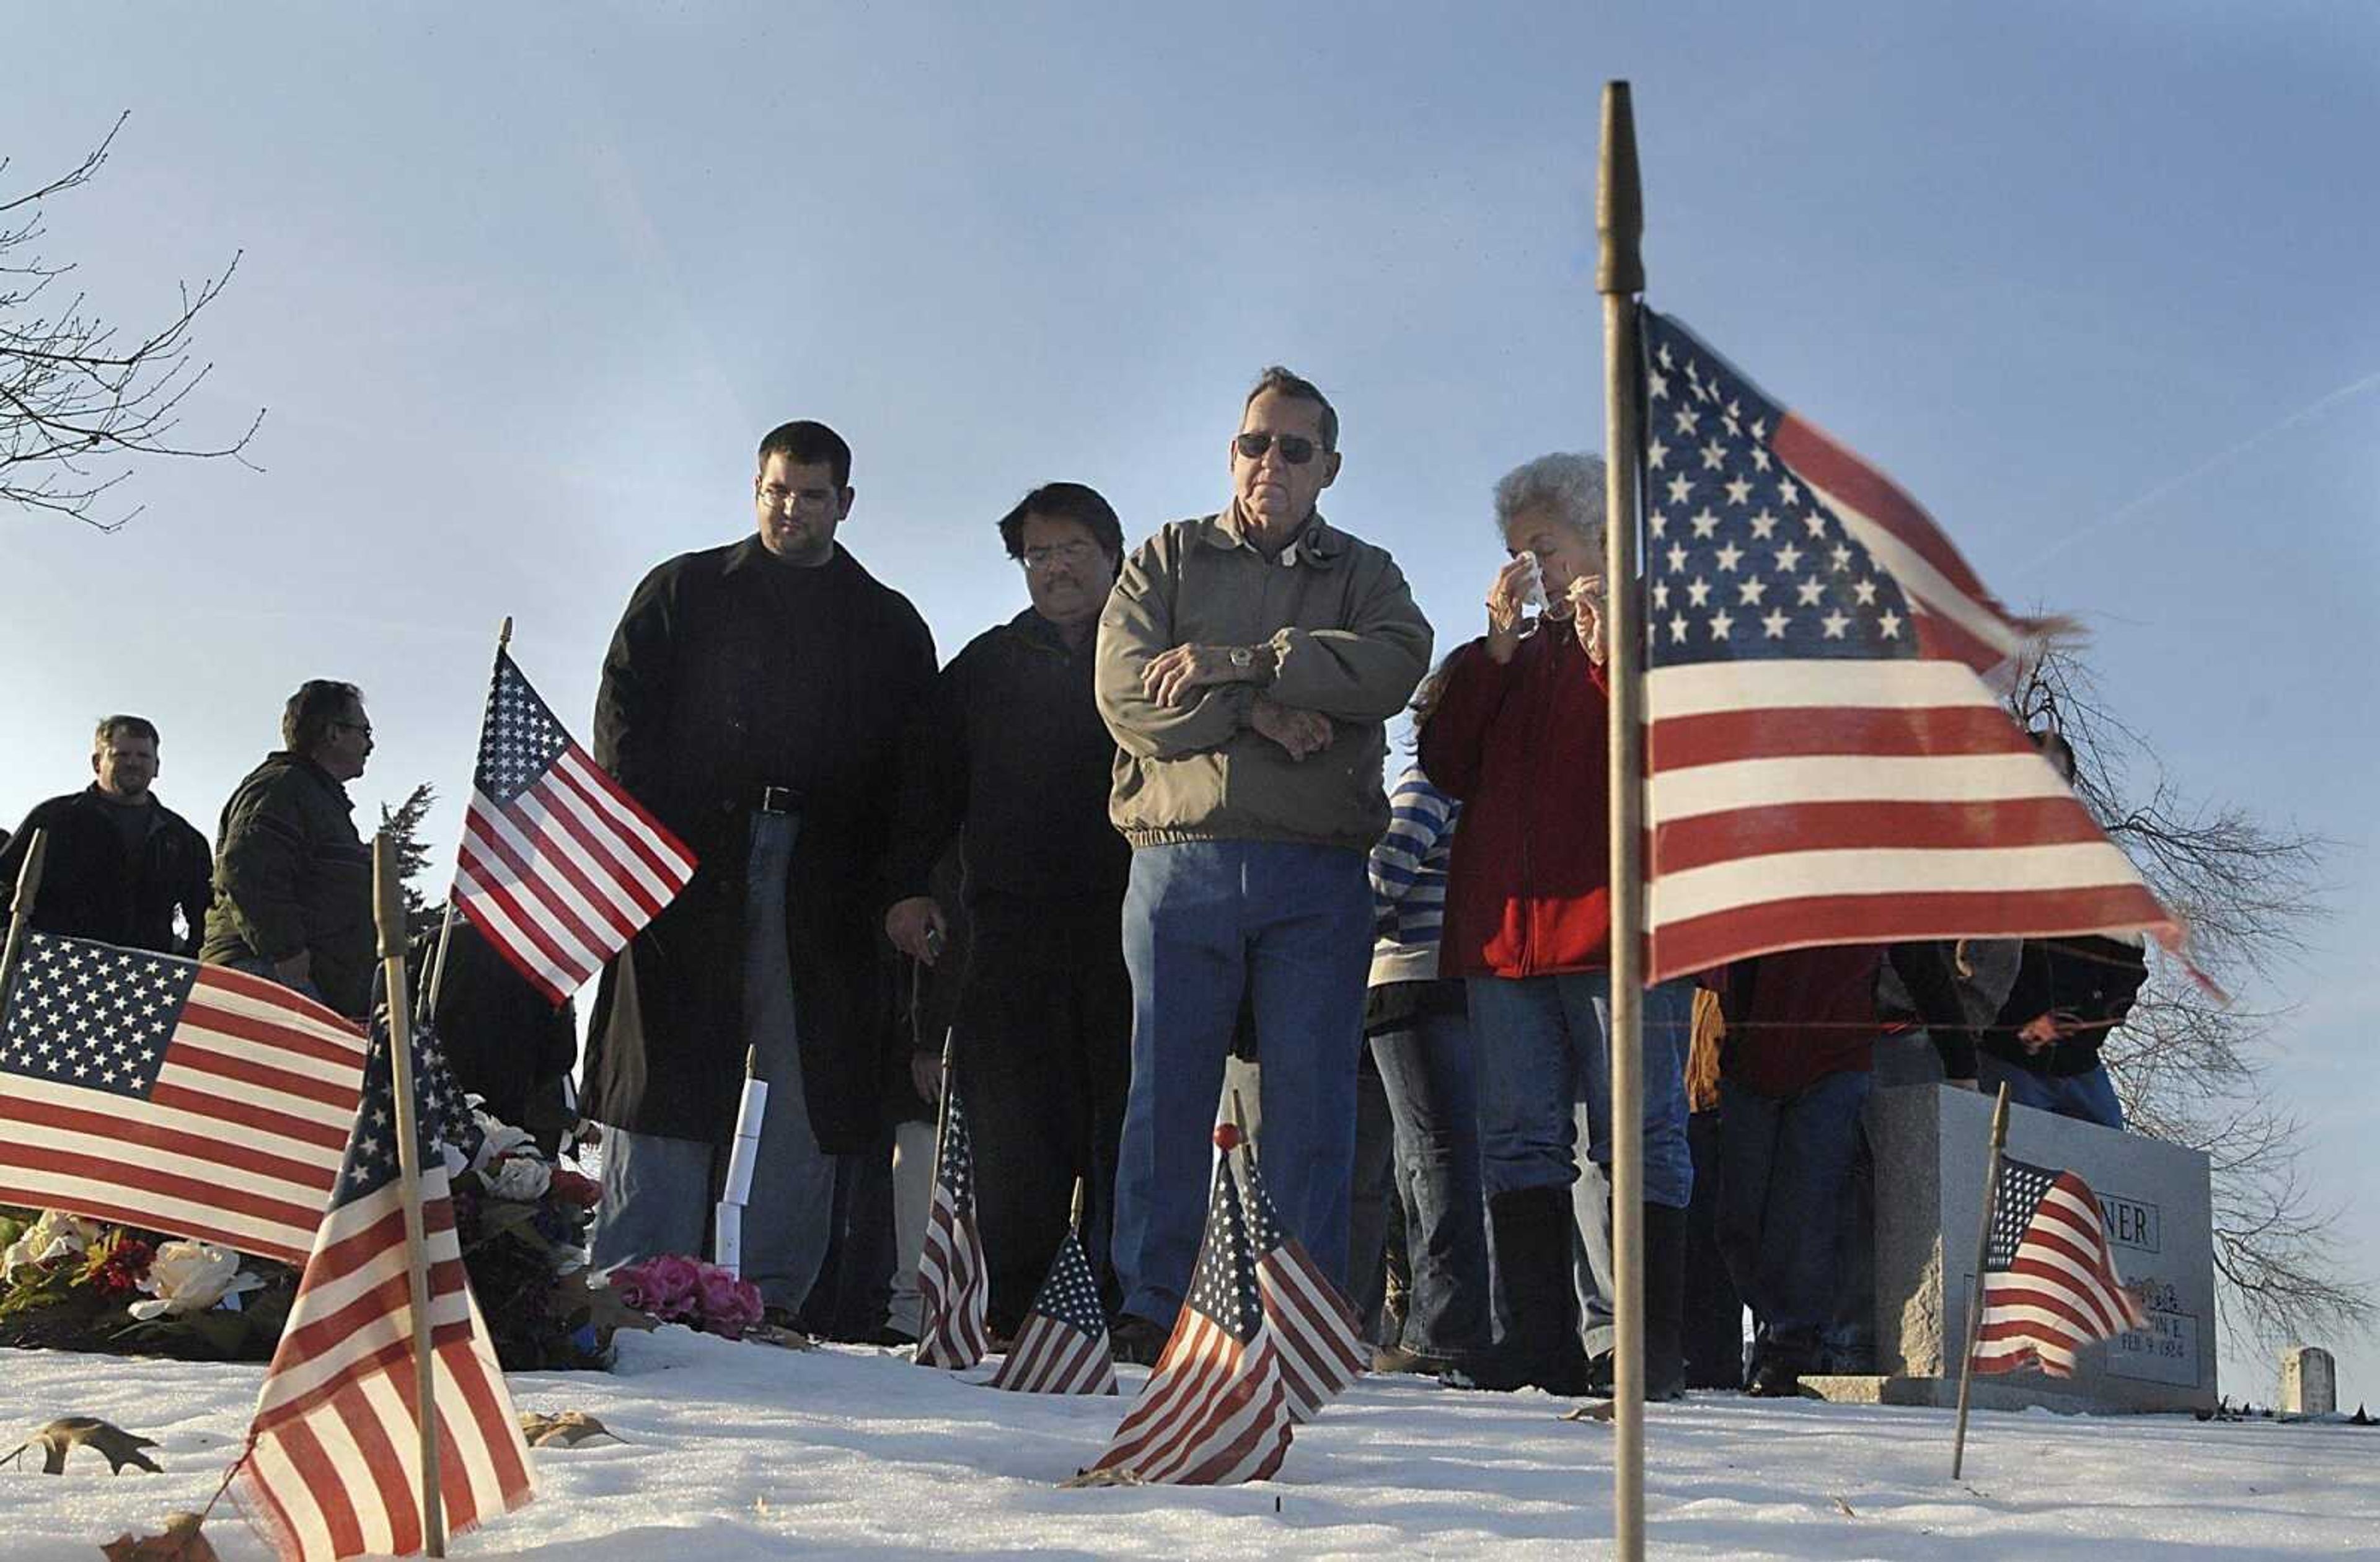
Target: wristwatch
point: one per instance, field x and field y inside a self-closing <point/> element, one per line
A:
<point x="1259" y="659"/>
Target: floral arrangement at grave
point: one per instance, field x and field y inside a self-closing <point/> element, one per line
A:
<point x="674" y="1288"/>
<point x="522" y="1220"/>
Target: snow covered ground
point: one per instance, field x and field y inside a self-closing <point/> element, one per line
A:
<point x="737" y="1452"/>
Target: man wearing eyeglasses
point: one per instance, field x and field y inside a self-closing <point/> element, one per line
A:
<point x="293" y="889"/>
<point x="1009" y="758"/>
<point x="753" y="697"/>
<point x="1248" y="662"/>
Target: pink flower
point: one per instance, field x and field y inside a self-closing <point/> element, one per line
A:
<point x="729" y="1306"/>
<point x="662" y="1285"/>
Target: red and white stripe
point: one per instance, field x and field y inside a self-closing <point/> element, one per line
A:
<point x="1054" y="1357"/>
<point x="333" y="1467"/>
<point x="1812" y="803"/>
<point x="953" y="1287"/>
<point x="1214" y="1411"/>
<point x="2062" y="1293"/>
<point x="562" y="877"/>
<point x="239" y="1143"/>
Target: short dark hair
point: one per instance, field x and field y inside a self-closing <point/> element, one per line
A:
<point x="1297" y="388"/>
<point x="137" y="726"/>
<point x="807" y="443"/>
<point x="1065" y="501"/>
<point x="306" y="720"/>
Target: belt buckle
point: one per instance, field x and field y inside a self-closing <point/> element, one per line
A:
<point x="776" y="800"/>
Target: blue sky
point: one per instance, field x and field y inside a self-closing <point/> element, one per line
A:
<point x="522" y="287"/>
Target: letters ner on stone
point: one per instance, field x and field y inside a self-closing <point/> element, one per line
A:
<point x="1931" y="1144"/>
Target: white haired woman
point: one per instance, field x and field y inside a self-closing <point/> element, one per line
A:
<point x="1518" y="738"/>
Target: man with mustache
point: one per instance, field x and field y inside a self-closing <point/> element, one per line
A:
<point x="1009" y="757"/>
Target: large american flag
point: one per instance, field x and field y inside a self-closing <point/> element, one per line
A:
<point x="172" y="1096"/>
<point x="2050" y="1283"/>
<point x="332" y="1463"/>
<point x="953" y="1282"/>
<point x="1313" y="1327"/>
<point x="1827" y="762"/>
<point x="1062" y="1349"/>
<point x="559" y="867"/>
<point x="1214" y="1410"/>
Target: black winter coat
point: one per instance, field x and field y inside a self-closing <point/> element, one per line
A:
<point x="91" y="888"/>
<point x="731" y="670"/>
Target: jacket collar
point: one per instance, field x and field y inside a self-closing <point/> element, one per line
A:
<point x="1317" y="542"/>
<point x="322" y="778"/>
<point x="751" y="554"/>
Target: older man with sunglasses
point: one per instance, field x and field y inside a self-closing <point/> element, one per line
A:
<point x="1248" y="662"/>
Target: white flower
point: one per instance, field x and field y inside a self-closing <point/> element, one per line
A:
<point x="523" y="1178"/>
<point x="55" y="1235"/>
<point x="190" y="1277"/>
<point x="499" y="1140"/>
<point x="456" y="1164"/>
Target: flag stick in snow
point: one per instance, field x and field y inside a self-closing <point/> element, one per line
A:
<point x="1976" y="1287"/>
<point x="1619" y="277"/>
<point x="727" y="1219"/>
<point x="941" y="1127"/>
<point x="20" y="913"/>
<point x="437" y="978"/>
<point x="388" y="908"/>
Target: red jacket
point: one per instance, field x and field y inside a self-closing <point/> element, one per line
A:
<point x="1522" y="745"/>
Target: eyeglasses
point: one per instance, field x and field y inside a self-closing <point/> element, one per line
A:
<point x="1064" y="553"/>
<point x="1295" y="449"/>
<point x="776" y="495"/>
<point x="362" y="726"/>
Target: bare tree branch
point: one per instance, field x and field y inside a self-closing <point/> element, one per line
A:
<point x="77" y="404"/>
<point x="2190" y="1070"/>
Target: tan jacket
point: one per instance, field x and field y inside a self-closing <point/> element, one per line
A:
<point x="1349" y="644"/>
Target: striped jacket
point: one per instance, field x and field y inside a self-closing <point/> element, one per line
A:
<point x="1409" y="879"/>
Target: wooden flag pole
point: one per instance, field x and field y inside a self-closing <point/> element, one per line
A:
<point x="21" y="915"/>
<point x="1619" y="277"/>
<point x="1074" y="1219"/>
<point x="1976" y="1291"/>
<point x="431" y="988"/>
<point x="388" y="906"/>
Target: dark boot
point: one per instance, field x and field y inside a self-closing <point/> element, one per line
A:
<point x="1540" y="1348"/>
<point x="1665" y="1303"/>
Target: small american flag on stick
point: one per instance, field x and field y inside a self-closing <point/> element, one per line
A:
<point x="1313" y="1327"/>
<point x="559" y="867"/>
<point x="1826" y="761"/>
<point x="173" y="1096"/>
<point x="1062" y="1349"/>
<point x="1214" y="1410"/>
<point x="953" y="1281"/>
<point x="333" y="1464"/>
<point x="2050" y="1283"/>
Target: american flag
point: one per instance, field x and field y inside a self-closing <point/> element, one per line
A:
<point x="559" y="867"/>
<point x="1214" y="1410"/>
<point x="951" y="1279"/>
<point x="333" y="1464"/>
<point x="1313" y="1327"/>
<point x="2050" y="1285"/>
<point x="173" y="1096"/>
<point x="1827" y="764"/>
<point x="1062" y="1349"/>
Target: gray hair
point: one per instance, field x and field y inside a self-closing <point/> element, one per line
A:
<point x="1568" y="484"/>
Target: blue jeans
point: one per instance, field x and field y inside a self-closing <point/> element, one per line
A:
<point x="658" y="1191"/>
<point x="1543" y="1045"/>
<point x="1290" y="926"/>
<point x="1784" y="1179"/>
<point x="1425" y="1068"/>
<point x="2090" y="1097"/>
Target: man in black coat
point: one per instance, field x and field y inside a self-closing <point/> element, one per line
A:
<point x="120" y="866"/>
<point x="1011" y="757"/>
<point x="752" y="699"/>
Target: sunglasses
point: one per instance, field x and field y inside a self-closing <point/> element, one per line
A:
<point x="1295" y="449"/>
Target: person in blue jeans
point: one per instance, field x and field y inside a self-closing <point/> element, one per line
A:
<point x="1519" y="737"/>
<point x="1420" y="1031"/>
<point x="1247" y="664"/>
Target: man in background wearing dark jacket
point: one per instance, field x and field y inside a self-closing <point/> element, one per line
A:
<point x="119" y="866"/>
<point x="293" y="880"/>
<point x="1010" y="755"/>
<point x="753" y="699"/>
